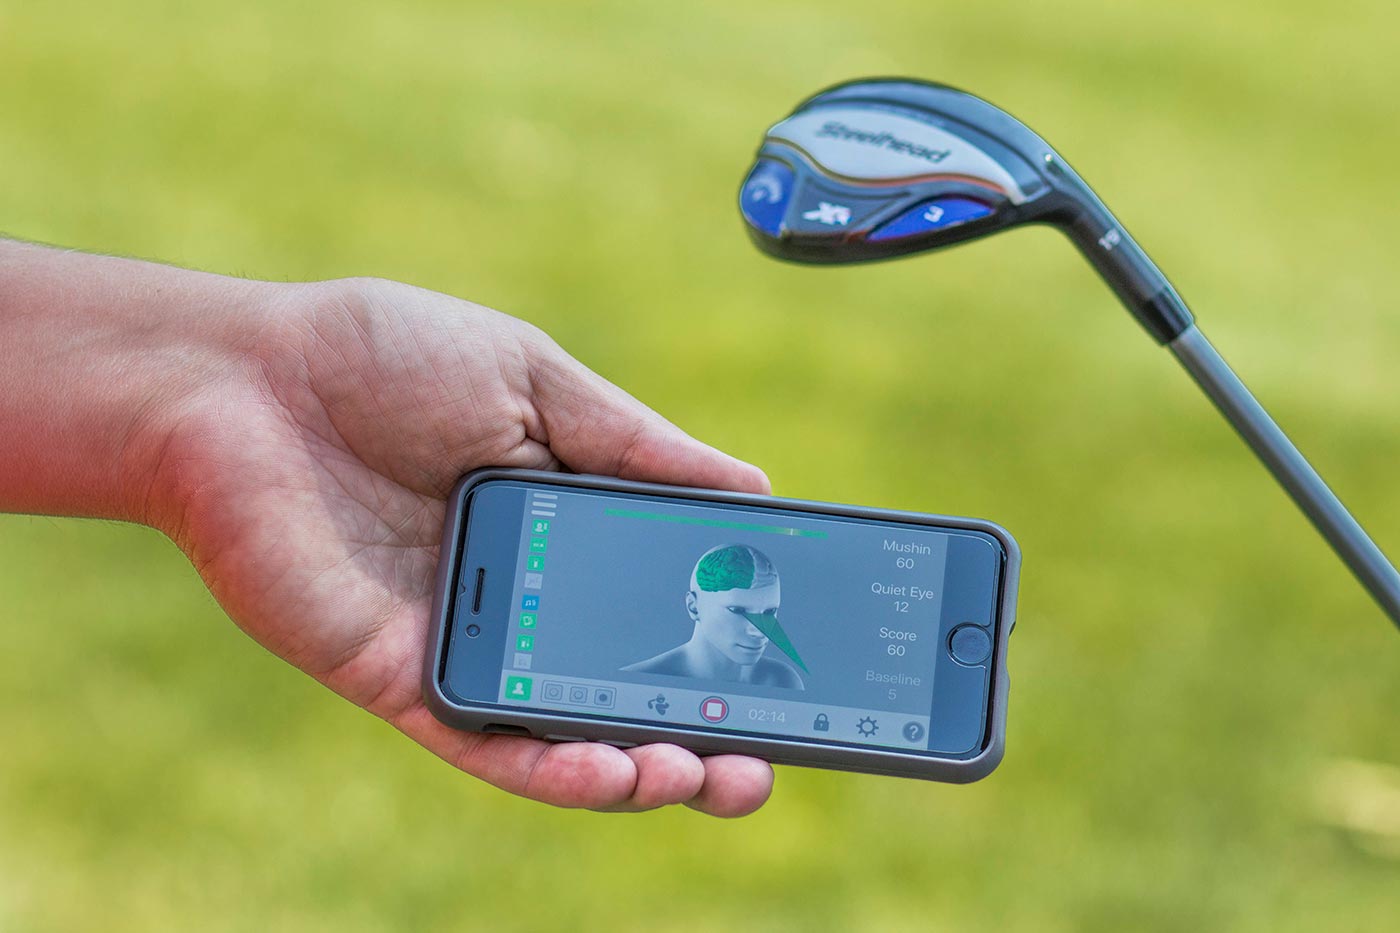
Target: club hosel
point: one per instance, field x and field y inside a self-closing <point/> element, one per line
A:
<point x="1110" y="249"/>
<point x="1132" y="275"/>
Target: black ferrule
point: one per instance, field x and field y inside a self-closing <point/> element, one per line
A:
<point x="1165" y="316"/>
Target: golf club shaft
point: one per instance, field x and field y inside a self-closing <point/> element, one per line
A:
<point x="1290" y="468"/>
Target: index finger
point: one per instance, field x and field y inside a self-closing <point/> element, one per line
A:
<point x="594" y="426"/>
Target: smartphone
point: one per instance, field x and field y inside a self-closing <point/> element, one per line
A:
<point x="588" y="608"/>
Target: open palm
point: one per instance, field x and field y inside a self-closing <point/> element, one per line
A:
<point x="310" y="484"/>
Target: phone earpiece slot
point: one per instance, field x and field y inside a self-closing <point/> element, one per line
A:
<point x="476" y="599"/>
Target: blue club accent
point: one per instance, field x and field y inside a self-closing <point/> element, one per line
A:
<point x="938" y="214"/>
<point x="764" y="197"/>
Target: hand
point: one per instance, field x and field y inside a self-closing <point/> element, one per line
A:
<point x="306" y="483"/>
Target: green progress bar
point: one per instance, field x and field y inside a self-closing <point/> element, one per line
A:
<point x="715" y="523"/>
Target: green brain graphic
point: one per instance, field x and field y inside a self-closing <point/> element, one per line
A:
<point x="731" y="568"/>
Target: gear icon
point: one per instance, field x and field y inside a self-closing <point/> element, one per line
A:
<point x="867" y="726"/>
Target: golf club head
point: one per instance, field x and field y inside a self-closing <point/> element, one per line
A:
<point x="884" y="167"/>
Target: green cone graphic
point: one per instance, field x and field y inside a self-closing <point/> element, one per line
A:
<point x="770" y="626"/>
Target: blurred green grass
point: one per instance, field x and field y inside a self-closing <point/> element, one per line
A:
<point x="1189" y="656"/>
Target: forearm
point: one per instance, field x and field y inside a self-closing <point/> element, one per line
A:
<point x="97" y="356"/>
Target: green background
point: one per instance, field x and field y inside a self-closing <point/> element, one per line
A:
<point x="1191" y="663"/>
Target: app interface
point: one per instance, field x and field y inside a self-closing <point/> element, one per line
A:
<point x="755" y="621"/>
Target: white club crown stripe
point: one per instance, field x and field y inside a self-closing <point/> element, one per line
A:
<point x="866" y="144"/>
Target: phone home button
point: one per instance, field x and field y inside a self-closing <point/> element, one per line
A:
<point x="969" y="644"/>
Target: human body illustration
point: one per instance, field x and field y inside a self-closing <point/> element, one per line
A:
<point x="733" y="601"/>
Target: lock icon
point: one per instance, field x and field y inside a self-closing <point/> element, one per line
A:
<point x="821" y="723"/>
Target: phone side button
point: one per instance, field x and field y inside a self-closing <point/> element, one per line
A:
<point x="616" y="744"/>
<point x="564" y="738"/>
<point x="500" y="728"/>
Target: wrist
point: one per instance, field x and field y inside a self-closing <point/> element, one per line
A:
<point x="103" y="362"/>
<point x="216" y="367"/>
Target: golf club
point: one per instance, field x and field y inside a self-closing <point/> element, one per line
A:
<point x="878" y="168"/>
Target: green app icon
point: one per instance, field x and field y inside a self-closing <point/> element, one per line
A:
<point x="538" y="545"/>
<point x="534" y="562"/>
<point x="541" y="527"/>
<point x="525" y="643"/>
<point x="518" y="688"/>
<point x="527" y="620"/>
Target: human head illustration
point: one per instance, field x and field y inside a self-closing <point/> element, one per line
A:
<point x="733" y="600"/>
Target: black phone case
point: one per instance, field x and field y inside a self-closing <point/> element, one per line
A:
<point x="786" y="750"/>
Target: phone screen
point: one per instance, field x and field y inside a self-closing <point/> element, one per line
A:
<point x="724" y="617"/>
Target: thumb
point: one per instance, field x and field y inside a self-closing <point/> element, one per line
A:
<point x="592" y="426"/>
